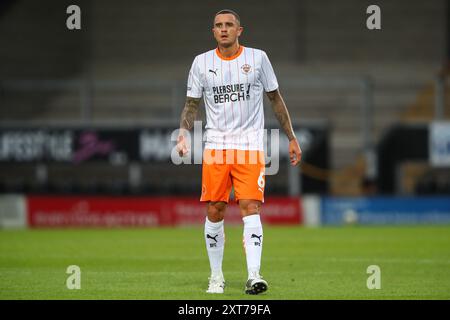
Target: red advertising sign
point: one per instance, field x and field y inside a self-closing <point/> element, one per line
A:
<point x="275" y="210"/>
<point x="51" y="211"/>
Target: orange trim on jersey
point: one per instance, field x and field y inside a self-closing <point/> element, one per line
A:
<point x="234" y="56"/>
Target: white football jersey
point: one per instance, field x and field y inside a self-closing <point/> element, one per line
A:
<point x="232" y="89"/>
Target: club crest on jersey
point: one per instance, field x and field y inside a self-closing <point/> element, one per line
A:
<point x="246" y="69"/>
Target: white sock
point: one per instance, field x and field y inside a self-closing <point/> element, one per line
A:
<point x="215" y="240"/>
<point x="253" y="241"/>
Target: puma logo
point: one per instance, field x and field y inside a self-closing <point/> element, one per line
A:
<point x="211" y="237"/>
<point x="255" y="236"/>
<point x="213" y="71"/>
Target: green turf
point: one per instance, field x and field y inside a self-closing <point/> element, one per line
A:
<point x="298" y="263"/>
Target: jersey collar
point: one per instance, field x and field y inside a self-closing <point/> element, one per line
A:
<point x="234" y="56"/>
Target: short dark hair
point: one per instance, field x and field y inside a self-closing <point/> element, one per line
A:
<point x="224" y="11"/>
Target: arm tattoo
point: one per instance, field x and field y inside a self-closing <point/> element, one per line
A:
<point x="281" y="113"/>
<point x="189" y="113"/>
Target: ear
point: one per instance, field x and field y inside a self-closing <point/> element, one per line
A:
<point x="240" y="30"/>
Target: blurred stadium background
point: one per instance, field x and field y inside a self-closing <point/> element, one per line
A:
<point x="90" y="111"/>
<point x="86" y="115"/>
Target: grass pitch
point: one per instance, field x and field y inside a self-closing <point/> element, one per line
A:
<point x="171" y="263"/>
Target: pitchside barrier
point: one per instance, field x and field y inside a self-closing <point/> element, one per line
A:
<point x="385" y="210"/>
<point x="21" y="211"/>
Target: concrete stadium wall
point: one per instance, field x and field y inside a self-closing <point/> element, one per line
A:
<point x="35" y="43"/>
<point x="38" y="43"/>
<point x="411" y="31"/>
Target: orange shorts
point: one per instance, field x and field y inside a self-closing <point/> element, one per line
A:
<point x="242" y="169"/>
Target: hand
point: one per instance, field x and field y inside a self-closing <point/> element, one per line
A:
<point x="295" y="153"/>
<point x="182" y="146"/>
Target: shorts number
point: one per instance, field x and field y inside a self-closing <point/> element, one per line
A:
<point x="261" y="181"/>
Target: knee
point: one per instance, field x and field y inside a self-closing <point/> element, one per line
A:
<point x="216" y="211"/>
<point x="249" y="207"/>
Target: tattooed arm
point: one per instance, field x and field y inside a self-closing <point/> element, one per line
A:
<point x="188" y="117"/>
<point x="189" y="113"/>
<point x="282" y="114"/>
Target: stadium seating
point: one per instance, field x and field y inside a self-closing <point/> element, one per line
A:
<point x="130" y="63"/>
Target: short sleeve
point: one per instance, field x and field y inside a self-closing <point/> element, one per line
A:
<point x="268" y="78"/>
<point x="194" y="85"/>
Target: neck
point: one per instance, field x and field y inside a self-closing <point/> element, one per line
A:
<point x="229" y="51"/>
